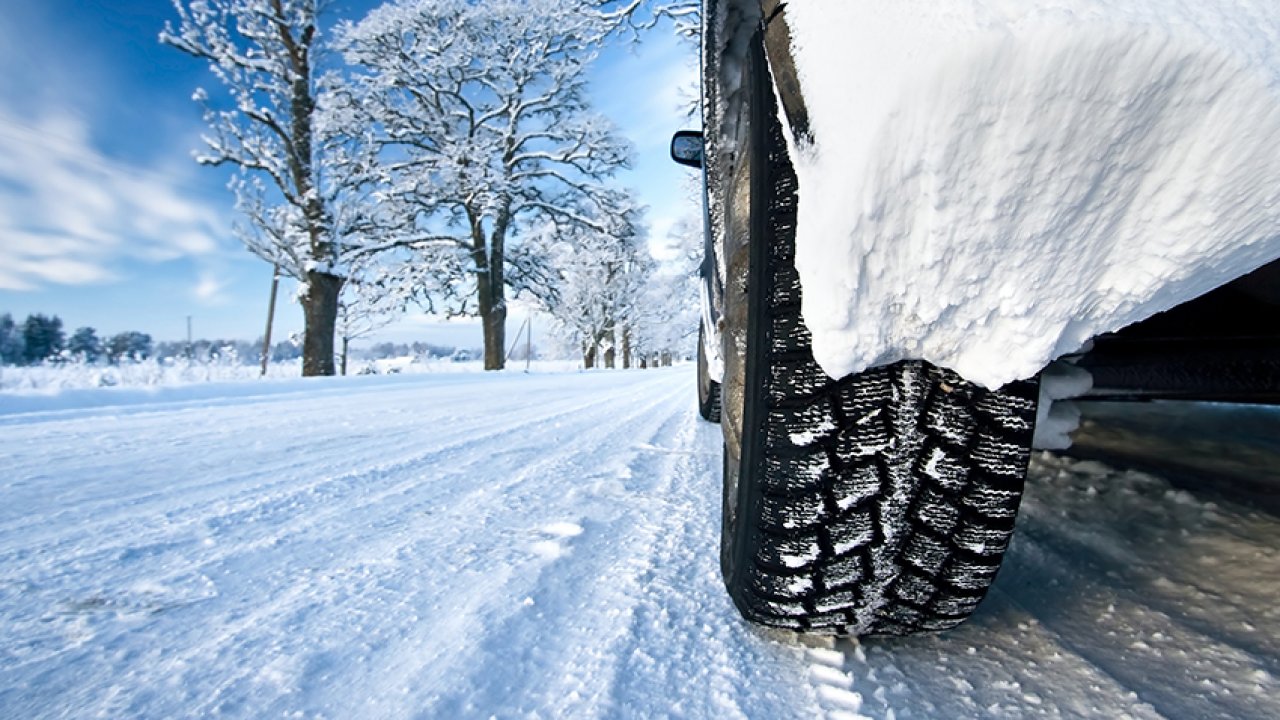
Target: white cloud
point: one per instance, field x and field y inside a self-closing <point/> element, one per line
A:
<point x="28" y="274"/>
<point x="70" y="215"/>
<point x="209" y="289"/>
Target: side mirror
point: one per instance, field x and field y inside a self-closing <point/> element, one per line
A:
<point x="686" y="148"/>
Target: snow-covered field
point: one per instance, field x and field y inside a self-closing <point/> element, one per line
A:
<point x="51" y="378"/>
<point x="544" y="545"/>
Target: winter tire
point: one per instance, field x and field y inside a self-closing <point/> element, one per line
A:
<point x="878" y="504"/>
<point x="708" y="389"/>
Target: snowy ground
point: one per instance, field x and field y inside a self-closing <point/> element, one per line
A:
<point x="544" y="546"/>
<point x="49" y="378"/>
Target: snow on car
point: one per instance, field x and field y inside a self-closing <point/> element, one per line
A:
<point x="1014" y="179"/>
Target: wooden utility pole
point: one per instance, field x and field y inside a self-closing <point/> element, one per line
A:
<point x="515" y="342"/>
<point x="271" y="316"/>
<point x="528" y="344"/>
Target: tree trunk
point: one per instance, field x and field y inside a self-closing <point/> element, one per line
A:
<point x="589" y="357"/>
<point x="345" y="341"/>
<point x="493" y="319"/>
<point x="320" y="312"/>
<point x="610" y="354"/>
<point x="493" y="311"/>
<point x="626" y="348"/>
<point x="320" y="303"/>
<point x="490" y="260"/>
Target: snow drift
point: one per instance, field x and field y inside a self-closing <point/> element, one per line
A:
<point x="987" y="185"/>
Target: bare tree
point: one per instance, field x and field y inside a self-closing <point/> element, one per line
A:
<point x="594" y="284"/>
<point x="365" y="307"/>
<point x="484" y="129"/>
<point x="634" y="16"/>
<point x="264" y="53"/>
<point x="667" y="322"/>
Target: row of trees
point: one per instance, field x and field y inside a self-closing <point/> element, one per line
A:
<point x="613" y="298"/>
<point x="41" y="337"/>
<point x="442" y="152"/>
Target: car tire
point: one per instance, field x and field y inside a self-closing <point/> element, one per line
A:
<point x="708" y="389"/>
<point x="877" y="504"/>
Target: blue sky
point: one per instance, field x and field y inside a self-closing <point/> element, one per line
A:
<point x="106" y="221"/>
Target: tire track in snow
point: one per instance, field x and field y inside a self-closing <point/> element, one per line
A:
<point x="572" y="533"/>
<point x="255" y="482"/>
<point x="590" y="400"/>
<point x="1162" y="648"/>
<point x="649" y="630"/>
<point x="836" y="685"/>
<point x="304" y="478"/>
<point x="425" y="654"/>
<point x="686" y="651"/>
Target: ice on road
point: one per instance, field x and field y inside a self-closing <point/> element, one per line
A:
<point x="513" y="545"/>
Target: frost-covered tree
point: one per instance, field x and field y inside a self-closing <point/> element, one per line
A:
<point x="637" y="15"/>
<point x="85" y="345"/>
<point x="484" y="129"/>
<point x="366" y="305"/>
<point x="291" y="184"/>
<point x="11" y="349"/>
<point x="129" y="345"/>
<point x="592" y="283"/>
<point x="668" y="321"/>
<point x="285" y="351"/>
<point x="42" y="337"/>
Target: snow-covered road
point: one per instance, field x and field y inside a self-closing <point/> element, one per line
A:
<point x="545" y="546"/>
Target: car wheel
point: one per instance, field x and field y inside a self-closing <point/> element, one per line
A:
<point x="877" y="504"/>
<point x="708" y="389"/>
